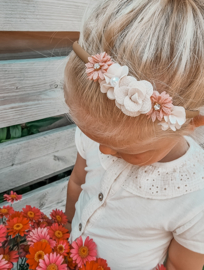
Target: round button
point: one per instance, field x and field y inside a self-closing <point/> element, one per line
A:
<point x="80" y="226"/>
<point x="100" y="196"/>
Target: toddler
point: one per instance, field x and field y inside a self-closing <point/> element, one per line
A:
<point x="134" y="85"/>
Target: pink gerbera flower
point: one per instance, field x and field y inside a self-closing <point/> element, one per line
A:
<point x="12" y="197"/>
<point x="4" y="265"/>
<point x="52" y="261"/>
<point x="83" y="253"/>
<point x="161" y="106"/>
<point x="9" y="256"/>
<point x="58" y="216"/>
<point x="40" y="235"/>
<point x="3" y="232"/>
<point x="62" y="247"/>
<point x="5" y="211"/>
<point x="161" y="267"/>
<point x="32" y="213"/>
<point x="98" y="65"/>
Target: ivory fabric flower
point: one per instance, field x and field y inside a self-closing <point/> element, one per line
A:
<point x="62" y="247"/>
<point x="4" y="265"/>
<point x="18" y="225"/>
<point x="58" y="232"/>
<point x="58" y="216"/>
<point x="40" y="235"/>
<point x="9" y="256"/>
<point x="3" y="232"/>
<point x="112" y="77"/>
<point x="32" y="213"/>
<point x="81" y="253"/>
<point x="161" y="106"/>
<point x="12" y="197"/>
<point x="52" y="261"/>
<point x="132" y="97"/>
<point x="97" y="66"/>
<point x="175" y="120"/>
<point x="5" y="211"/>
<point x="37" y="252"/>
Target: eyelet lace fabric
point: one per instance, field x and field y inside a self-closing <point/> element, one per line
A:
<point x="165" y="180"/>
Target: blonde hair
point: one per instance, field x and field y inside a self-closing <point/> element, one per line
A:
<point x="160" y="41"/>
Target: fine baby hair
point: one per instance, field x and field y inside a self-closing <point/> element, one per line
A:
<point x="160" y="41"/>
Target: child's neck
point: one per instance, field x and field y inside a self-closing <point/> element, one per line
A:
<point x="177" y="151"/>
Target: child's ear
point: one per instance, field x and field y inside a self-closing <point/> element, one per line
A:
<point x="198" y="121"/>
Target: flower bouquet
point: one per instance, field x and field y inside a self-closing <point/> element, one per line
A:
<point x="32" y="240"/>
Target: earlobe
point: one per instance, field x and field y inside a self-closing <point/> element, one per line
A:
<point x="198" y="121"/>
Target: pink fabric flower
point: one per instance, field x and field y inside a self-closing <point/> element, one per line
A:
<point x="4" y="265"/>
<point x="40" y="234"/>
<point x="97" y="66"/>
<point x="12" y="197"/>
<point x="52" y="261"/>
<point x="161" y="106"/>
<point x="3" y="232"/>
<point x="82" y="253"/>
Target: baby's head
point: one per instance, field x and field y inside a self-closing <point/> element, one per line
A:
<point x="161" y="42"/>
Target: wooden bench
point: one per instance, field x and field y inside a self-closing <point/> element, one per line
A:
<point x="36" y="38"/>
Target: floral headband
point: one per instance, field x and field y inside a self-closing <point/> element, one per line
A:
<point x="131" y="96"/>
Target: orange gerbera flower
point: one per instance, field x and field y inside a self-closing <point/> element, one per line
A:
<point x="18" y="225"/>
<point x="32" y="213"/>
<point x="58" y="216"/>
<point x="71" y="264"/>
<point x="62" y="247"/>
<point x="15" y="214"/>
<point x="58" y="232"/>
<point x="5" y="211"/>
<point x="102" y="264"/>
<point x="12" y="197"/>
<point x="93" y="265"/>
<point x="37" y="252"/>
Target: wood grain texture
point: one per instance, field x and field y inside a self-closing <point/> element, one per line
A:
<point x="33" y="158"/>
<point x="41" y="15"/>
<point x="26" y="45"/>
<point x="31" y="90"/>
<point x="46" y="198"/>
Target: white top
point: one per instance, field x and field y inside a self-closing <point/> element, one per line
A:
<point x="132" y="213"/>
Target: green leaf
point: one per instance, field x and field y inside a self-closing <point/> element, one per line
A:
<point x="15" y="131"/>
<point x="3" y="133"/>
<point x="6" y="140"/>
<point x="33" y="130"/>
<point x="25" y="132"/>
<point x="43" y="122"/>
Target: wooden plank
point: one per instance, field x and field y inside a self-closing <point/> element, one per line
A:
<point x="26" y="45"/>
<point x="46" y="198"/>
<point x="31" y="89"/>
<point x="41" y="15"/>
<point x="36" y="157"/>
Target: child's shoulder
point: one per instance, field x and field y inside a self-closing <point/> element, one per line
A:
<point x="83" y="143"/>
